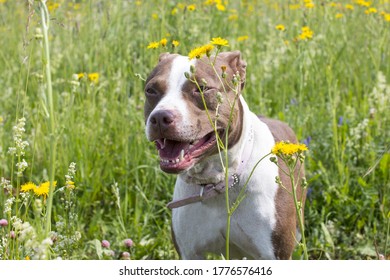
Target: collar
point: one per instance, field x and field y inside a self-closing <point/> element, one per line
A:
<point x="211" y="190"/>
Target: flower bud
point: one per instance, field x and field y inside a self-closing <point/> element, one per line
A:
<point x="187" y="75"/>
<point x="105" y="244"/>
<point x="192" y="69"/>
<point x="3" y="223"/>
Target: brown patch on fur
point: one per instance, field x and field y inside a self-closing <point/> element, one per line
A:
<point x="283" y="237"/>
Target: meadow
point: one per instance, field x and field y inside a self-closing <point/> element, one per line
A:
<point x="321" y="66"/>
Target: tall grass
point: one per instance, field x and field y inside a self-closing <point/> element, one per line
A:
<point x="333" y="89"/>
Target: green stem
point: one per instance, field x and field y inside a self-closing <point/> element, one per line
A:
<point x="387" y="234"/>
<point x="45" y="27"/>
<point x="298" y="208"/>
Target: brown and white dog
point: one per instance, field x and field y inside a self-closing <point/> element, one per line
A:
<point x="264" y="226"/>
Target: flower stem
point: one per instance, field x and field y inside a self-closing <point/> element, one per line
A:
<point x="52" y="154"/>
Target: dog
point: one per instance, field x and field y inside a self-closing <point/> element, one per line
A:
<point x="264" y="226"/>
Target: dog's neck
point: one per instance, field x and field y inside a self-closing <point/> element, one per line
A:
<point x="210" y="170"/>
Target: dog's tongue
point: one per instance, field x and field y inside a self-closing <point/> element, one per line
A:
<point x="170" y="149"/>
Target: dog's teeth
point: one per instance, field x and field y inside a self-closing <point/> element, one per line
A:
<point x="181" y="157"/>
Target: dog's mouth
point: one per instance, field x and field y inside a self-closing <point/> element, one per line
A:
<point x="176" y="156"/>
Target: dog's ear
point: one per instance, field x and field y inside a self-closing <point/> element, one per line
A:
<point x="234" y="61"/>
<point x="163" y="56"/>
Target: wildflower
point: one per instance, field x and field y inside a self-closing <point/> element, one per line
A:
<point x="220" y="7"/>
<point x="294" y="6"/>
<point x="306" y="33"/>
<point x="242" y="38"/>
<point x="387" y="17"/>
<point x="70" y="185"/>
<point x="363" y="3"/>
<point x="349" y="7"/>
<point x="3" y="223"/>
<point x="128" y="242"/>
<point x="12" y="234"/>
<point x="125" y="256"/>
<point x="371" y="11"/>
<point x="309" y="5"/>
<point x="175" y="43"/>
<point x="27" y="258"/>
<point x="153" y="45"/>
<point x="285" y="148"/>
<point x="80" y="76"/>
<point x="163" y="42"/>
<point x="155" y="16"/>
<point x="93" y="77"/>
<point x="200" y="51"/>
<point x="220" y="42"/>
<point x="43" y="189"/>
<point x="28" y="187"/>
<point x="105" y="244"/>
<point x="22" y="165"/>
<point x="191" y="7"/>
<point x="339" y="15"/>
<point x="280" y="27"/>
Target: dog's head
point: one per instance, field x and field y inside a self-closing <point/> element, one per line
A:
<point x="175" y="115"/>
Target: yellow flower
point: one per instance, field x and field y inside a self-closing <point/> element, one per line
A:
<point x="286" y="148"/>
<point x="174" y="11"/>
<point x="191" y="7"/>
<point x="218" y="41"/>
<point x="80" y="76"/>
<point x="349" y="7"/>
<point x="339" y="15"/>
<point x="371" y="11"/>
<point x="242" y="38"/>
<point x="27" y="258"/>
<point x="27" y="187"/>
<point x="309" y="5"/>
<point x="220" y="7"/>
<point x="153" y="45"/>
<point x="200" y="51"/>
<point x="43" y="189"/>
<point x="306" y="33"/>
<point x="280" y="27"/>
<point x="163" y="42"/>
<point x="154" y="16"/>
<point x="386" y="17"/>
<point x="175" y="43"/>
<point x="363" y="3"/>
<point x="93" y="77"/>
<point x="53" y="6"/>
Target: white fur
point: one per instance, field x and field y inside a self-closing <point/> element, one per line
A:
<point x="201" y="227"/>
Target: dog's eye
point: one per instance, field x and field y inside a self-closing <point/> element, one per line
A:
<point x="151" y="92"/>
<point x="200" y="89"/>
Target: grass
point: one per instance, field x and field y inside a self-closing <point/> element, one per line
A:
<point x="332" y="89"/>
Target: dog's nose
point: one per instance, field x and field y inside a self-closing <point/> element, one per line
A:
<point x="162" y="118"/>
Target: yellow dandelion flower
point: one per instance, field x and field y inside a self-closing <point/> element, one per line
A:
<point x="309" y="5"/>
<point x="163" y="42"/>
<point x="27" y="187"/>
<point x="138" y="3"/>
<point x="218" y="41"/>
<point x="306" y="33"/>
<point x="153" y="45"/>
<point x="209" y="2"/>
<point x="191" y="7"/>
<point x="154" y="16"/>
<point x="200" y="51"/>
<point x="363" y="3"/>
<point x="80" y="76"/>
<point x="27" y="258"/>
<point x="371" y="11"/>
<point x="93" y="77"/>
<point x="286" y="148"/>
<point x="242" y="38"/>
<point x="53" y="6"/>
<point x="220" y="7"/>
<point x="339" y="15"/>
<point x="386" y="17"/>
<point x="349" y="7"/>
<point x="280" y="27"/>
<point x="175" y="43"/>
<point x="43" y="189"/>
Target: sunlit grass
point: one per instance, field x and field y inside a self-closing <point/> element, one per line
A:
<point x="332" y="85"/>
